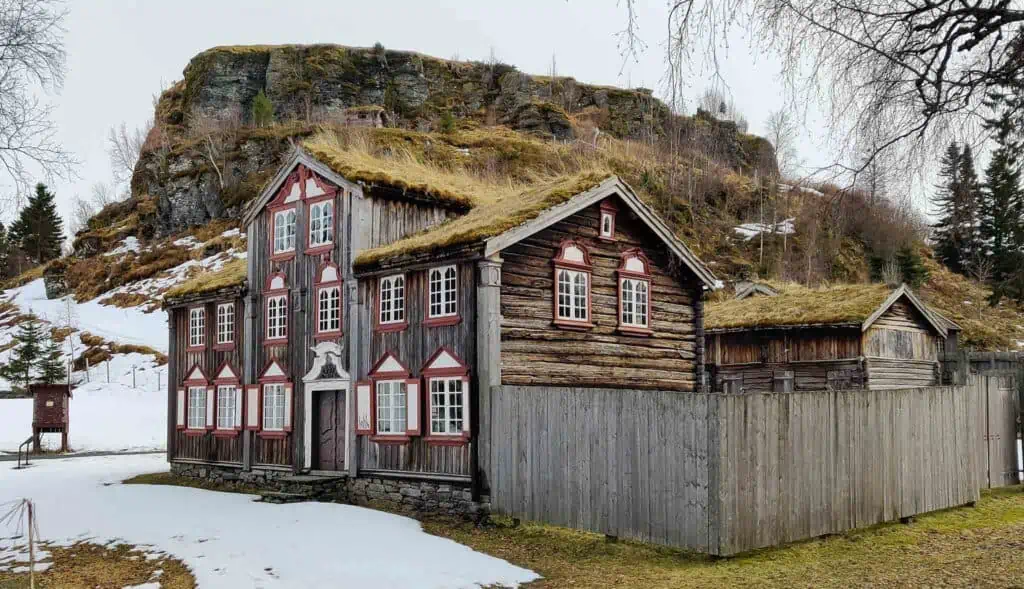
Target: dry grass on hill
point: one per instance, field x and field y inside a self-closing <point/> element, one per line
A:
<point x="84" y="565"/>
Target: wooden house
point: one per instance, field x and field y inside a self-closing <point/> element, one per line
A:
<point x="788" y="338"/>
<point x="375" y="312"/>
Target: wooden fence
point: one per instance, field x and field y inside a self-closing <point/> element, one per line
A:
<point x="729" y="473"/>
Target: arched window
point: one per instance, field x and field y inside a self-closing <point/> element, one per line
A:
<point x="634" y="293"/>
<point x="284" y="231"/>
<point x="606" y="228"/>
<point x="276" y="297"/>
<point x="328" y="302"/>
<point x="572" y="286"/>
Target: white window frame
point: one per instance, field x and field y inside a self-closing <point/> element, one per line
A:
<point x="196" y="327"/>
<point x="226" y="419"/>
<point x="226" y="323"/>
<point x="393" y="413"/>
<point x="196" y="418"/>
<point x="607" y="219"/>
<point x="395" y="300"/>
<point x="321" y="234"/>
<point x="574" y="303"/>
<point x="284" y="234"/>
<point x="443" y="294"/>
<point x="439" y="401"/>
<point x="633" y="300"/>
<point x="273" y="407"/>
<point x="278" y="329"/>
<point x="328" y="315"/>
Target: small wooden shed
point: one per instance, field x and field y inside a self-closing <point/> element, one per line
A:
<point x="50" y="412"/>
<point x="791" y="337"/>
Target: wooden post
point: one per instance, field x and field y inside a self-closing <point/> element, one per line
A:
<point x="31" y="546"/>
<point x="488" y="354"/>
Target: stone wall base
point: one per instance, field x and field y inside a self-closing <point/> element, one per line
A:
<point x="407" y="496"/>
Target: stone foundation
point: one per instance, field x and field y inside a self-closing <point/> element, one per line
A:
<point x="407" y="496"/>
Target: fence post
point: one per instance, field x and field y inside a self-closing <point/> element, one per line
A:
<point x="133" y="376"/>
<point x="108" y="370"/>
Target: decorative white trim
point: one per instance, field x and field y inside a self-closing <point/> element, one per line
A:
<point x="444" y="360"/>
<point x="226" y="373"/>
<point x="273" y="370"/>
<point x="196" y="375"/>
<point x="277" y="283"/>
<point x="322" y="352"/>
<point x="298" y="156"/>
<point x="330" y="274"/>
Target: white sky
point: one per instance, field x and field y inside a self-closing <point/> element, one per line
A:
<point x="121" y="53"/>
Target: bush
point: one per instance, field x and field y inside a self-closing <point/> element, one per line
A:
<point x="262" y="111"/>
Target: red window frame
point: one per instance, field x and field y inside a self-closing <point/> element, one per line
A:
<point x="461" y="372"/>
<point x="404" y="375"/>
<point x="586" y="267"/>
<point x="442" y="320"/>
<point x="218" y="382"/>
<point x="330" y="192"/>
<point x="273" y="210"/>
<point x="610" y="209"/>
<point x="645" y="276"/>
<point x="397" y="325"/>
<point x="196" y="382"/>
<point x="289" y="407"/>
<point x="270" y="292"/>
<point x="189" y="347"/>
<point x="230" y="345"/>
<point x="320" y="285"/>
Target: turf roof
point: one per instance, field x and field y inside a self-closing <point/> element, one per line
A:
<point x="231" y="274"/>
<point x="799" y="305"/>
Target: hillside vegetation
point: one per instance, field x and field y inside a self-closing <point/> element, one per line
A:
<point x="204" y="160"/>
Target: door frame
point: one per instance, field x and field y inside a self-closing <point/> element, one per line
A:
<point x="326" y="352"/>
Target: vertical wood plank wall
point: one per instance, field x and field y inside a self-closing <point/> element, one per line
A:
<point x="730" y="473"/>
<point x="901" y="350"/>
<point x="535" y="352"/>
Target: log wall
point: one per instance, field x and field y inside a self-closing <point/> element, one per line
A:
<point x="536" y="352"/>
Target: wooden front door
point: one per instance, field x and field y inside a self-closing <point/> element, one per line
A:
<point x="329" y="430"/>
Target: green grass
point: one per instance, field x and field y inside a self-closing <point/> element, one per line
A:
<point x="86" y="565"/>
<point x="166" y="478"/>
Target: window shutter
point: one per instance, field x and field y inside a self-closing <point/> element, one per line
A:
<point x="364" y="423"/>
<point x="253" y="407"/>
<point x="288" y="407"/>
<point x="465" y="408"/>
<point x="412" y="407"/>
<point x="238" y="408"/>
<point x="181" y="408"/>
<point x="211" y="399"/>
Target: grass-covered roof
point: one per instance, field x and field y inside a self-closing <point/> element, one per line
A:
<point x="798" y="305"/>
<point x="231" y="274"/>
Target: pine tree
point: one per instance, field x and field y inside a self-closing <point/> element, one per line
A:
<point x="51" y="364"/>
<point x="956" y="231"/>
<point x="27" y="353"/>
<point x="911" y="266"/>
<point x="5" y="253"/>
<point x="262" y="110"/>
<point x="39" y="230"/>
<point x="970" y="187"/>
<point x="1002" y="204"/>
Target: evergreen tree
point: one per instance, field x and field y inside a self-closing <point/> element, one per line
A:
<point x="956" y="231"/>
<point x="5" y="253"/>
<point x="51" y="364"/>
<point x="971" y="247"/>
<point x="26" y="354"/>
<point x="39" y="230"/>
<point x="1001" y="206"/>
<point x="911" y="266"/>
<point x="262" y="111"/>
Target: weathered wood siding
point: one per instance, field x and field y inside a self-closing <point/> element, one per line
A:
<point x="632" y="464"/>
<point x="413" y="346"/>
<point x="807" y="376"/>
<point x="802" y="465"/>
<point x="536" y="352"/>
<point x="901" y="349"/>
<point x="207" y="447"/>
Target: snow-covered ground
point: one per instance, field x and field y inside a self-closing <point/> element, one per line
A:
<point x="230" y="541"/>
<point x="750" y="230"/>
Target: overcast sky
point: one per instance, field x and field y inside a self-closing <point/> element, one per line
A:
<point x="121" y="53"/>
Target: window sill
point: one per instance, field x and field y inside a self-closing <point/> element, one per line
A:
<point x="224" y="347"/>
<point x="320" y="249"/>
<point x="446" y="441"/>
<point x="283" y="256"/>
<point x="385" y="439"/>
<point x="573" y="325"/>
<point x="442" y="321"/>
<point x="276" y="342"/>
<point x="195" y="348"/>
<point x="606" y="237"/>
<point x="388" y="327"/>
<point x="635" y="331"/>
<point x="328" y="335"/>
<point x="195" y="432"/>
<point x="272" y="435"/>
<point x="225" y="433"/>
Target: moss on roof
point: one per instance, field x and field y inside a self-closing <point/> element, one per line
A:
<point x="231" y="274"/>
<point x="799" y="305"/>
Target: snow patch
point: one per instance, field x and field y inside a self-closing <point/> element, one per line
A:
<point x="129" y="244"/>
<point x="750" y="230"/>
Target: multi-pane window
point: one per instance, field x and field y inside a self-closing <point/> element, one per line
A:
<point x="196" y="407"/>
<point x="572" y="295"/>
<point x="227" y="397"/>
<point x="633" y="293"/>
<point x="443" y="292"/>
<point x="391" y="404"/>
<point x="284" y="231"/>
<point x="321" y="223"/>
<point x="226" y="323"/>
<point x="277" y="317"/>
<point x="273" y="407"/>
<point x="329" y="309"/>
<point x="607" y="224"/>
<point x="446" y="406"/>
<point x="196" y="327"/>
<point x="392" y="299"/>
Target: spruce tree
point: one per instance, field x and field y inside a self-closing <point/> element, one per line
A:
<point x="1002" y="204"/>
<point x="51" y="364"/>
<point x="39" y="230"/>
<point x="26" y="354"/>
<point x="956" y="232"/>
<point x="970" y="187"/>
<point x="262" y="111"/>
<point x="5" y="253"/>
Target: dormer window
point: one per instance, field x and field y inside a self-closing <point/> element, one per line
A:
<point x="321" y="223"/>
<point x="284" y="231"/>
<point x="572" y="286"/>
<point x="606" y="228"/>
<point x="634" y="293"/>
